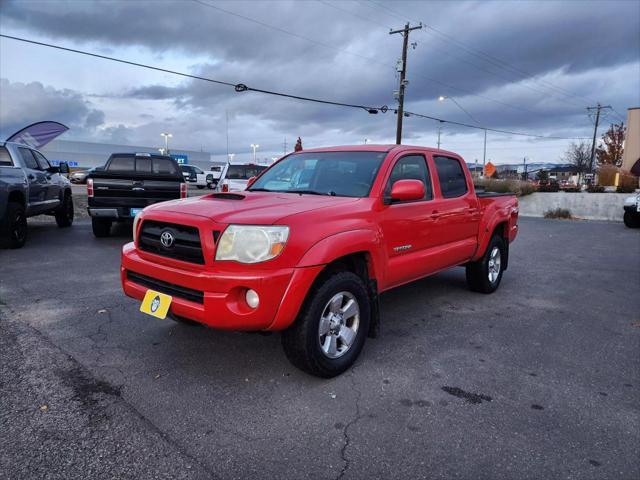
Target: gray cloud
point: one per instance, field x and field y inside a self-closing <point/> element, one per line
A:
<point x="22" y="104"/>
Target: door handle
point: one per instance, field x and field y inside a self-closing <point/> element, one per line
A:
<point x="435" y="214"/>
<point x="138" y="189"/>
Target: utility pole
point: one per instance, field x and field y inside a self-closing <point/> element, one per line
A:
<point x="439" y="132"/>
<point x="597" y="108"/>
<point x="484" y="155"/>
<point x="284" y="146"/>
<point x="403" y="73"/>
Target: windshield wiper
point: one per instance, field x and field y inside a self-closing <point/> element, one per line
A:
<point x="260" y="190"/>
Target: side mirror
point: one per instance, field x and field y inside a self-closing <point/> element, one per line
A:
<point x="251" y="181"/>
<point x="407" y="190"/>
<point x="64" y="167"/>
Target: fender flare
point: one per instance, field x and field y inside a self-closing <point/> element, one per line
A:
<point x="346" y="243"/>
<point x="312" y="263"/>
<point x="485" y="235"/>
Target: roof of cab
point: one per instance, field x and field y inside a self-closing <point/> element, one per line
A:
<point x="378" y="148"/>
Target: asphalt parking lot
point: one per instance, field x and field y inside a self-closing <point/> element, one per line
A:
<point x="539" y="380"/>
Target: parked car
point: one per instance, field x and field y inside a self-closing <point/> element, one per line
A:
<point x="632" y="211"/>
<point x="128" y="183"/>
<point x="80" y="176"/>
<point x="234" y="177"/>
<point x="30" y="186"/>
<point x="313" y="241"/>
<point x="197" y="176"/>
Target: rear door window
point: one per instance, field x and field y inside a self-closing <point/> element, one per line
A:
<point x="5" y="158"/>
<point x="122" y="164"/>
<point x="453" y="182"/>
<point x="28" y="158"/>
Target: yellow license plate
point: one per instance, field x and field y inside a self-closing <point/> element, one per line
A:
<point x="156" y="304"/>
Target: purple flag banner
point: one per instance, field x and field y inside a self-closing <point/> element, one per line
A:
<point x="38" y="134"/>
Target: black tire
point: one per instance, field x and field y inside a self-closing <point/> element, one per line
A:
<point x="14" y="226"/>
<point x="301" y="342"/>
<point x="200" y="187"/>
<point x="101" y="226"/>
<point x="478" y="278"/>
<point x="64" y="213"/>
<point x="632" y="220"/>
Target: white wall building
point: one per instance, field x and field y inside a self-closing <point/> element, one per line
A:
<point x="88" y="154"/>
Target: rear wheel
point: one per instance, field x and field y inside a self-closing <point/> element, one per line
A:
<point x="64" y="213"/>
<point x="101" y="226"/>
<point x="484" y="275"/>
<point x="14" y="226"/>
<point x="331" y="328"/>
<point x="632" y="220"/>
<point x="200" y="187"/>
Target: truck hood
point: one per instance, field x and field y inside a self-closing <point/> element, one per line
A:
<point x="259" y="208"/>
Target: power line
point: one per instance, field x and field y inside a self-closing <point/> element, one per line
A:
<point x="497" y="62"/>
<point x="489" y="129"/>
<point x="238" y="87"/>
<point x="364" y="57"/>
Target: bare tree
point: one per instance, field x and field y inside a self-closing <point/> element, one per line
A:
<point x="579" y="155"/>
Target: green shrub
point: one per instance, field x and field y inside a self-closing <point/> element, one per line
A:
<point x="558" y="213"/>
<point x="595" y="189"/>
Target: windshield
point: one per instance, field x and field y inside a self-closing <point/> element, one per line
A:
<point x="345" y="174"/>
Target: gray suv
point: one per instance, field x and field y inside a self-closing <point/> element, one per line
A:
<point x="30" y="186"/>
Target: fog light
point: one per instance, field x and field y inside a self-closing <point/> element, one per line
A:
<point x="252" y="298"/>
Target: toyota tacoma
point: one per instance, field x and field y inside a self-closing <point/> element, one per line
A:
<point x="313" y="241"/>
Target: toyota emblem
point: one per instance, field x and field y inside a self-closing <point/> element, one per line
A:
<point x="167" y="239"/>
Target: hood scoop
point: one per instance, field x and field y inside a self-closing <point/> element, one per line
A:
<point x="228" y="196"/>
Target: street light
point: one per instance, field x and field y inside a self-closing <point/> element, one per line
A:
<point x="166" y="136"/>
<point x="442" y="98"/>
<point x="255" y="147"/>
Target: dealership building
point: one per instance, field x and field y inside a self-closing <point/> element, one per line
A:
<point x="88" y="154"/>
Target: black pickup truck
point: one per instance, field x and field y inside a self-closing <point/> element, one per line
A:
<point x="129" y="182"/>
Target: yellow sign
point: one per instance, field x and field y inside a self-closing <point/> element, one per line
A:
<point x="156" y="304"/>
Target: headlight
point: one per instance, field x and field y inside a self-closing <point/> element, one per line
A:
<point x="251" y="244"/>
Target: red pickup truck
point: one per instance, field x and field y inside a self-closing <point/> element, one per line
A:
<point x="313" y="241"/>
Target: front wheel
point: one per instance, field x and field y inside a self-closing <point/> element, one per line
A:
<point x="101" y="227"/>
<point x="632" y="220"/>
<point x="64" y="213"/>
<point x="485" y="274"/>
<point x="332" y="326"/>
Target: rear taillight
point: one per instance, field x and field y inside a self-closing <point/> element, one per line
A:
<point x="90" y="187"/>
<point x="183" y="190"/>
<point x="225" y="186"/>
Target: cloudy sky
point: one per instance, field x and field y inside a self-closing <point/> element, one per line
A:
<point x="521" y="66"/>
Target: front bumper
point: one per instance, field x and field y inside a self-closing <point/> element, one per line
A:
<point x="217" y="298"/>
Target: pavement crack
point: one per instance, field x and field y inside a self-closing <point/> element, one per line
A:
<point x="345" y="430"/>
